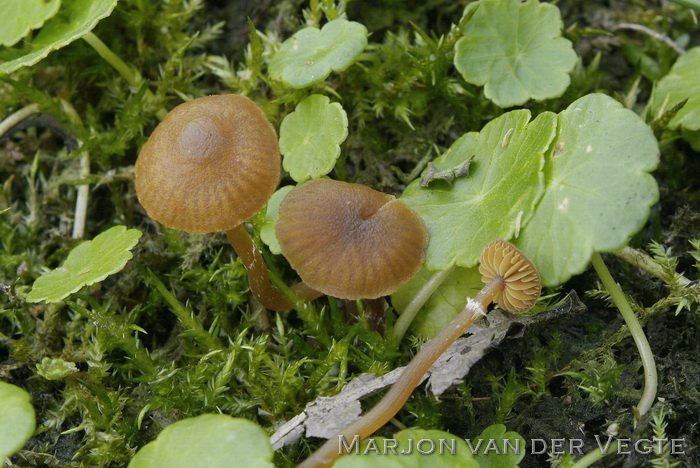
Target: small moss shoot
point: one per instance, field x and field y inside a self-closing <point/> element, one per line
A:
<point x="175" y="334"/>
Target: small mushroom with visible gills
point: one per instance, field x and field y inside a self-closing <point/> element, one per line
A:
<point x="210" y="165"/>
<point x="512" y="281"/>
<point x="348" y="240"/>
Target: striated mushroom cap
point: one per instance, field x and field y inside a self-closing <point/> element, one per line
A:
<point x="211" y="164"/>
<point x="522" y="281"/>
<point x="349" y="241"/>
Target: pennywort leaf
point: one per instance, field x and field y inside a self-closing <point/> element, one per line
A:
<point x="211" y="440"/>
<point x="272" y="214"/>
<point x="498" y="448"/>
<point x="17" y="420"/>
<point x="681" y="83"/>
<point x="498" y="197"/>
<point x="516" y="51"/>
<point x="17" y="18"/>
<point x="90" y="262"/>
<point x="693" y="138"/>
<point x="309" y="56"/>
<point x="74" y="20"/>
<point x="598" y="187"/>
<point x="444" y="304"/>
<point x="310" y="137"/>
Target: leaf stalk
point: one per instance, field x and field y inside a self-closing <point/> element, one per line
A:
<point x="640" y="339"/>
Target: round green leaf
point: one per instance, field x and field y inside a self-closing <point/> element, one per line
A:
<point x="310" y="137"/>
<point x="414" y="448"/>
<point x="444" y="304"/>
<point x="75" y="19"/>
<point x="18" y="17"/>
<point x="681" y="83"/>
<point x="311" y="54"/>
<point x="272" y="214"/>
<point x="515" y="50"/>
<point x="598" y="187"/>
<point x="498" y="448"/>
<point x="88" y="263"/>
<point x="207" y="441"/>
<point x="495" y="200"/>
<point x="17" y="421"/>
<point x="693" y="138"/>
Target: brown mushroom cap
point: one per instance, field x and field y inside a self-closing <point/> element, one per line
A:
<point x="349" y="241"/>
<point x="522" y="281"/>
<point x="211" y="164"/>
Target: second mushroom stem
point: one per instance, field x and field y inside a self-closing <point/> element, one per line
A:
<point x="640" y="339"/>
<point x="411" y="376"/>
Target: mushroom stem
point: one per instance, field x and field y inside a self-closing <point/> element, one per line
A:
<point x="410" y="378"/>
<point x="257" y="271"/>
<point x="375" y="313"/>
<point x="637" y="332"/>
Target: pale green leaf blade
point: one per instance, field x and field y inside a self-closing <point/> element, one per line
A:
<point x="496" y="199"/>
<point x="209" y="440"/>
<point x="498" y="448"/>
<point x="272" y="214"/>
<point x="598" y="187"/>
<point x="311" y="54"/>
<point x="444" y="304"/>
<point x="75" y="19"/>
<point x="17" y="420"/>
<point x="18" y="17"/>
<point x="681" y="83"/>
<point x="516" y="51"/>
<point x="310" y="137"/>
<point x="410" y="448"/>
<point x="693" y="138"/>
<point x="88" y="263"/>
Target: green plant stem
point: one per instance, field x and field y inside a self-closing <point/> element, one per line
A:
<point x="644" y="262"/>
<point x="16" y="117"/>
<point x="694" y="4"/>
<point x="83" y="191"/>
<point x="651" y="33"/>
<point x="399" y="329"/>
<point x="34" y="206"/>
<point x="592" y="457"/>
<point x="81" y="199"/>
<point x="129" y="74"/>
<point x="618" y="297"/>
<point x="191" y="324"/>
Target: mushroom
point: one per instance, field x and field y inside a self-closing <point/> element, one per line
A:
<point x="350" y="241"/>
<point x="210" y="165"/>
<point x="511" y="281"/>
